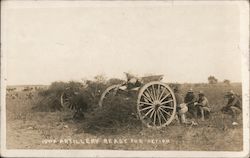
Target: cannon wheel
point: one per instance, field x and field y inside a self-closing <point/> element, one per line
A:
<point x="156" y="104"/>
<point x="110" y="91"/>
<point x="65" y="100"/>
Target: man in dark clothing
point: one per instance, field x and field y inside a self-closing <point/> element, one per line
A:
<point x="233" y="106"/>
<point x="190" y="99"/>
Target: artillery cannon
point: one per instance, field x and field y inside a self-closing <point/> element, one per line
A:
<point x="156" y="103"/>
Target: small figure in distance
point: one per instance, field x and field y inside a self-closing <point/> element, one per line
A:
<point x="233" y="106"/>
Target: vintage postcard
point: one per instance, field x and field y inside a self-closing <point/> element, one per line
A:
<point x="125" y="78"/>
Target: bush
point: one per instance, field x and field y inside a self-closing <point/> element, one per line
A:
<point x="119" y="113"/>
<point x="212" y="80"/>
<point x="84" y="95"/>
<point x="50" y="99"/>
<point x="55" y="88"/>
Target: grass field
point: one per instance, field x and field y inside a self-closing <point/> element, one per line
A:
<point x="29" y="129"/>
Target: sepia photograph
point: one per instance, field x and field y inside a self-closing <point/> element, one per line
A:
<point x="125" y="78"/>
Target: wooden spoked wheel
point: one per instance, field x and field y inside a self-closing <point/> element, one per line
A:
<point x="66" y="100"/>
<point x="156" y="105"/>
<point x="108" y="94"/>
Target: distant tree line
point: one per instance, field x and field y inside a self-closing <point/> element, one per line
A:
<point x="213" y="80"/>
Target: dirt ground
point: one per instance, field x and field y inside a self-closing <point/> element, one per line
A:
<point x="28" y="129"/>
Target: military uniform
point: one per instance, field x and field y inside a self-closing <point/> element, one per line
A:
<point x="190" y="99"/>
<point x="181" y="106"/>
<point x="233" y="105"/>
<point x="203" y="105"/>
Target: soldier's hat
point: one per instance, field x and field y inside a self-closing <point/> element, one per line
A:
<point x="201" y="93"/>
<point x="231" y="92"/>
<point x="176" y="88"/>
<point x="190" y="90"/>
<point x="228" y="94"/>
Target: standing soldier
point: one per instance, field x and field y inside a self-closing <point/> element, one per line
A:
<point x="190" y="99"/>
<point x="203" y="105"/>
<point x="233" y="106"/>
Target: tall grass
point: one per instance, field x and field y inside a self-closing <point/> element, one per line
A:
<point x="120" y="110"/>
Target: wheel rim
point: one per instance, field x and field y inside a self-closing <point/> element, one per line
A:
<point x="109" y="92"/>
<point x="156" y="105"/>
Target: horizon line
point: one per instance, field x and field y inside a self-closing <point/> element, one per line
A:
<point x="78" y="81"/>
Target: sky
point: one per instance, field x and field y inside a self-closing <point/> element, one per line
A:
<point x="185" y="43"/>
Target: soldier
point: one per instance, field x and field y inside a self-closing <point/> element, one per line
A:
<point x="181" y="106"/>
<point x="203" y="105"/>
<point x="132" y="81"/>
<point x="190" y="99"/>
<point x="233" y="106"/>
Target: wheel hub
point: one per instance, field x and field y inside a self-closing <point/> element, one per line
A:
<point x="157" y="104"/>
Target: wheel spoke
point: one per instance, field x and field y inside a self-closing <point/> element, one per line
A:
<point x="165" y="102"/>
<point x="165" y="112"/>
<point x="158" y="92"/>
<point x="70" y="106"/>
<point x="163" y="91"/>
<point x="164" y="97"/>
<point x="150" y="94"/>
<point x="148" y="112"/>
<point x="149" y="107"/>
<point x="66" y="102"/>
<point x="147" y="95"/>
<point x="153" y="89"/>
<point x="151" y="115"/>
<point x="167" y="107"/>
<point x="146" y="100"/>
<point x="162" y="115"/>
<point x="141" y="102"/>
<point x="149" y="99"/>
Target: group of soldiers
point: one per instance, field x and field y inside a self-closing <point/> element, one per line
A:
<point x="199" y="106"/>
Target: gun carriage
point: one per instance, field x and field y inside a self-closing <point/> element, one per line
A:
<point x="156" y="103"/>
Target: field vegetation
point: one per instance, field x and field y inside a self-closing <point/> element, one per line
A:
<point x="34" y="122"/>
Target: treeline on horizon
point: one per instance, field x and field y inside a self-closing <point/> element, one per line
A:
<point x="101" y="78"/>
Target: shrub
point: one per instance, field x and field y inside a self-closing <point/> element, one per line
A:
<point x="117" y="115"/>
<point x="50" y="99"/>
<point x="212" y="80"/>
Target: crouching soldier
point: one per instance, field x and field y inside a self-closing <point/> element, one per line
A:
<point x="181" y="106"/>
<point x="190" y="99"/>
<point x="203" y="105"/>
<point x="233" y="106"/>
